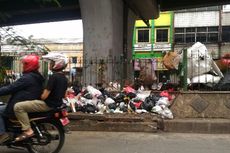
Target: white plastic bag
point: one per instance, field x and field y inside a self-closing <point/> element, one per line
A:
<point x="167" y="113"/>
<point x="163" y="101"/>
<point x="109" y="101"/>
<point x="93" y="91"/>
<point x="199" y="60"/>
<point x="206" y="78"/>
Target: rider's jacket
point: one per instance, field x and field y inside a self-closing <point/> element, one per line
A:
<point x="28" y="87"/>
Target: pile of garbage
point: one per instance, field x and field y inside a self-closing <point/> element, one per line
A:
<point x="100" y="101"/>
<point x="201" y="68"/>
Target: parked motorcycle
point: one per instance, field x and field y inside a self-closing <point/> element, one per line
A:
<point x="49" y="132"/>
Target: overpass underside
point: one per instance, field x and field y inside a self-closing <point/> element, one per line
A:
<point x="107" y="25"/>
<point x="35" y="11"/>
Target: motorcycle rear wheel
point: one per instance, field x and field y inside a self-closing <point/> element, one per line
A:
<point x="53" y="138"/>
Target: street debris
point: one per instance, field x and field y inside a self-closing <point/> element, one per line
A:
<point x="99" y="101"/>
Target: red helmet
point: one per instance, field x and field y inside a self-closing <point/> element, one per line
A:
<point x="30" y="63"/>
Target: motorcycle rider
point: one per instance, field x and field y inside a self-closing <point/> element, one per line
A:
<point x="28" y="87"/>
<point x="51" y="97"/>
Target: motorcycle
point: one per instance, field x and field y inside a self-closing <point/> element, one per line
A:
<point x="49" y="132"/>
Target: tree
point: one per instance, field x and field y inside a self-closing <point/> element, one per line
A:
<point x="8" y="36"/>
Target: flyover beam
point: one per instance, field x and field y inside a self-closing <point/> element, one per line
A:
<point x="170" y="5"/>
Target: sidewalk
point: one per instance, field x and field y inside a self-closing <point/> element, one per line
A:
<point x="145" y="123"/>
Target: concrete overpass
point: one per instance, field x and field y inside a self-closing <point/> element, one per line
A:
<point x="107" y="24"/>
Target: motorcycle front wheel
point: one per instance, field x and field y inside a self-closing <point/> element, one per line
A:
<point x="52" y="140"/>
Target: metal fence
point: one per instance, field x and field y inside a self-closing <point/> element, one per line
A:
<point x="99" y="71"/>
<point x="114" y="73"/>
<point x="195" y="72"/>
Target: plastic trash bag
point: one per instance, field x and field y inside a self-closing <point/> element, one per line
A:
<point x="199" y="60"/>
<point x="206" y="78"/>
<point x="101" y="108"/>
<point x="162" y="110"/>
<point x="129" y="89"/>
<point x="131" y="95"/>
<point x="141" y="96"/>
<point x="167" y="113"/>
<point x="148" y="103"/>
<point x="123" y="107"/>
<point x="157" y="109"/>
<point x="165" y="93"/>
<point x="93" y="91"/>
<point x="140" y="111"/>
<point x="163" y="101"/>
<point x="90" y="108"/>
<point x="119" y="97"/>
<point x="108" y="101"/>
<point x="112" y="106"/>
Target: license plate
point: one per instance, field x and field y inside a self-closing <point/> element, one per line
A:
<point x="64" y="121"/>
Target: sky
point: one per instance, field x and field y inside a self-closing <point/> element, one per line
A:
<point x="62" y="29"/>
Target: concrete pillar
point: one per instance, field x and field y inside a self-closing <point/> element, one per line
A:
<point x="108" y="30"/>
<point x="103" y="39"/>
<point x="130" y="26"/>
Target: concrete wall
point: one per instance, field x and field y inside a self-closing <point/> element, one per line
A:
<point x="202" y="105"/>
<point x="225" y="19"/>
<point x="196" y="19"/>
<point x="225" y="48"/>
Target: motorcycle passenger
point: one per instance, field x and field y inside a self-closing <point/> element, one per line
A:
<point x="28" y="87"/>
<point x="51" y="97"/>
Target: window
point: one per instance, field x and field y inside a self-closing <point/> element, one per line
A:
<point x="212" y="29"/>
<point x="201" y="29"/>
<point x="74" y="59"/>
<point x="179" y="30"/>
<point x="201" y="37"/>
<point x="201" y="34"/>
<point x="190" y="35"/>
<point x="7" y="61"/>
<point x="190" y="30"/>
<point x="179" y="38"/>
<point x="226" y="34"/>
<point x="179" y="35"/>
<point x="212" y="37"/>
<point x="190" y="38"/>
<point x="143" y="35"/>
<point x="213" y="34"/>
<point x="162" y="35"/>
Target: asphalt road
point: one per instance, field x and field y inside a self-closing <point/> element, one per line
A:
<point x="119" y="142"/>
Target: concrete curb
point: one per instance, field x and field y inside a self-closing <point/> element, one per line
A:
<point x="146" y="123"/>
<point x="209" y="126"/>
<point x="113" y="122"/>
